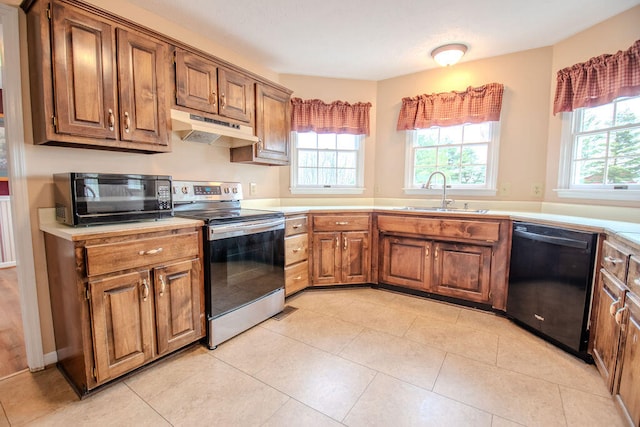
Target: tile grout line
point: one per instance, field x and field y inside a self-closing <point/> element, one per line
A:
<point x="147" y="403"/>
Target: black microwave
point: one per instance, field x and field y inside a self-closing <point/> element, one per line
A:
<point x="83" y="199"/>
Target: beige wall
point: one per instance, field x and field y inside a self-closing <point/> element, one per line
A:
<point x="524" y="118"/>
<point x="610" y="36"/>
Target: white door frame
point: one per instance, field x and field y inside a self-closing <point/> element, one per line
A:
<point x="12" y="95"/>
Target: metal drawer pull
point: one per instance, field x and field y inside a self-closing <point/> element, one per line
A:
<point x="612" y="260"/>
<point x="612" y="307"/>
<point x="537" y="316"/>
<point x="298" y="249"/>
<point x="150" y="252"/>
<point x="297" y="278"/>
<point x="296" y="226"/>
<point x="145" y="290"/>
<point x="619" y="315"/>
<point x="342" y="222"/>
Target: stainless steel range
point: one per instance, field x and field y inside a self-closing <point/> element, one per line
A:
<point x="244" y="256"/>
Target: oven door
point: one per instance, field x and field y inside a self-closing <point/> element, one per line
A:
<point x="244" y="267"/>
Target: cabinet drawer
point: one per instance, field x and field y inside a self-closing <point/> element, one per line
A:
<point x="110" y="257"/>
<point x="341" y="222"/>
<point x="296" y="225"/>
<point x="296" y="277"/>
<point x="633" y="276"/>
<point x="615" y="260"/>
<point x="296" y="249"/>
<point x="438" y="227"/>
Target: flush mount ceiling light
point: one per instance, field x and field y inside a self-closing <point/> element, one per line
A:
<point x="448" y="54"/>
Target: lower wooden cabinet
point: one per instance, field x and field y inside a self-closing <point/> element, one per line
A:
<point x="296" y="254"/>
<point x="114" y="312"/>
<point x="627" y="391"/>
<point x="405" y="261"/>
<point x="462" y="271"/>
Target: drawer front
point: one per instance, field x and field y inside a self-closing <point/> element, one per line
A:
<point x="615" y="260"/>
<point x="296" y="249"/>
<point x="438" y="227"/>
<point x="296" y="225"/>
<point x="110" y="257"/>
<point x="341" y="222"/>
<point x="633" y="276"/>
<point x="296" y="277"/>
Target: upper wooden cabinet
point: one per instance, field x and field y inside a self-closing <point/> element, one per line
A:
<point x="203" y="85"/>
<point x="94" y="82"/>
<point x="273" y="126"/>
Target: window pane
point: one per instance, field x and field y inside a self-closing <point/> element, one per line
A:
<point x="475" y="154"/>
<point x="449" y="156"/>
<point x="473" y="175"/>
<point x="451" y="135"/>
<point x="589" y="172"/>
<point x="427" y="137"/>
<point x="625" y="142"/>
<point x="347" y="159"/>
<point x="591" y="146"/>
<point x="425" y="157"/>
<point x="327" y="176"/>
<point x="597" y="118"/>
<point x="628" y="112"/>
<point x="307" y="176"/>
<point x="347" y="142"/>
<point x="480" y="132"/>
<point x="307" y="140"/>
<point x="623" y="170"/>
<point x="346" y="177"/>
<point x="327" y="141"/>
<point x="307" y="158"/>
<point x="327" y="159"/>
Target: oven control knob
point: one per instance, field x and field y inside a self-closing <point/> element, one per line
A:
<point x="185" y="190"/>
<point x="234" y="189"/>
<point x="226" y="190"/>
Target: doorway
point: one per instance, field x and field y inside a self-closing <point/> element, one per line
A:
<point x="17" y="179"/>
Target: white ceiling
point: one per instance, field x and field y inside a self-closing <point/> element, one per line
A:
<point x="379" y="39"/>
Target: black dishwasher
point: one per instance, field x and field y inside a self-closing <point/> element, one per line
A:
<point x="550" y="283"/>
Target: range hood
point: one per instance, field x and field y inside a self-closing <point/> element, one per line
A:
<point x="194" y="128"/>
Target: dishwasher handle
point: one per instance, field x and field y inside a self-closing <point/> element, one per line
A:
<point x="560" y="241"/>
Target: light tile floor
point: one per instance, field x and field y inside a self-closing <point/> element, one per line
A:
<point x="356" y="357"/>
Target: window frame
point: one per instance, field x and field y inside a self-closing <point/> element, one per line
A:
<point x="488" y="189"/>
<point x="566" y="189"/>
<point x="321" y="189"/>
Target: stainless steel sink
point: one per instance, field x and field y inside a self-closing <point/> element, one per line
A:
<point x="440" y="209"/>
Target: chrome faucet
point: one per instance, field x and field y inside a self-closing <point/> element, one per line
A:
<point x="445" y="202"/>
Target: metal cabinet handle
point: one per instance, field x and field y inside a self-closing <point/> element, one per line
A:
<point x="223" y="102"/>
<point x="297" y="278"/>
<point x="637" y="281"/>
<point x="260" y="145"/>
<point x="427" y="253"/>
<point x="111" y="120"/>
<point x="435" y="253"/>
<point x="296" y="226"/>
<point x="613" y="308"/>
<point x="613" y="260"/>
<point x="342" y="222"/>
<point x="298" y="249"/>
<point x="345" y="242"/>
<point x="214" y="98"/>
<point x="150" y="251"/>
<point x="162" y="285"/>
<point x="145" y="290"/>
<point x="619" y="315"/>
<point x="127" y="122"/>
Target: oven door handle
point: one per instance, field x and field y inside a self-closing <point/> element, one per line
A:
<point x="220" y="232"/>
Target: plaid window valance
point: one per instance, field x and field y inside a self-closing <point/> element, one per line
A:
<point x="314" y="115"/>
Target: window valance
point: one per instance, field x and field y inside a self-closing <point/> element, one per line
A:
<point x="314" y="115"/>
<point x="598" y="81"/>
<point x="475" y="105"/>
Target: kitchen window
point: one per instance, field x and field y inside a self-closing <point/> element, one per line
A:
<point x="467" y="154"/>
<point x="327" y="163"/>
<point x="601" y="151"/>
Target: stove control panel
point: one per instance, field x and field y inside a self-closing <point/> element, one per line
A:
<point x="194" y="191"/>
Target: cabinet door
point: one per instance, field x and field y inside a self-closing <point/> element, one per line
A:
<point x="273" y="123"/>
<point x="196" y="82"/>
<point x="611" y="295"/>
<point x="628" y="388"/>
<point x="462" y="271"/>
<point x="83" y="74"/>
<point x="141" y="79"/>
<point x="405" y="262"/>
<point x="122" y="323"/>
<point x="177" y="295"/>
<point x="326" y="258"/>
<point x="236" y="95"/>
<point x="355" y="257"/>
